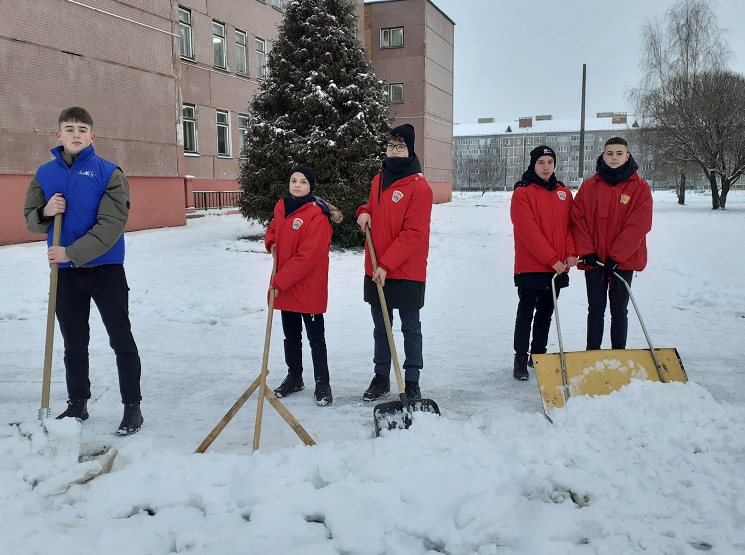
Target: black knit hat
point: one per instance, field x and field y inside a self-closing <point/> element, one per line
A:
<point x="539" y="151"/>
<point x="405" y="132"/>
<point x="308" y="173"/>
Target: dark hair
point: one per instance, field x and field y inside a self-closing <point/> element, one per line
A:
<point x="617" y="141"/>
<point x="78" y="115"/>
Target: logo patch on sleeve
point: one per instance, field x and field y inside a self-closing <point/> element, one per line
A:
<point x="296" y="223"/>
<point x="625" y="198"/>
<point x="397" y="195"/>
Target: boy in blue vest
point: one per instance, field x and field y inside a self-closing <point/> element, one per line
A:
<point x="93" y="196"/>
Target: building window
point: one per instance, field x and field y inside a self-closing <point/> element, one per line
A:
<point x="551" y="139"/>
<point x="589" y="147"/>
<point x="260" y="58"/>
<point x="394" y="93"/>
<point x="189" y="124"/>
<point x="218" y="45"/>
<point x="223" y="133"/>
<point x="185" y="43"/>
<point x="392" y="38"/>
<point x="242" y="129"/>
<point x="277" y="4"/>
<point x="240" y="53"/>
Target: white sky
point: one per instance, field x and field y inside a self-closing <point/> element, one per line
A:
<point x="518" y="58"/>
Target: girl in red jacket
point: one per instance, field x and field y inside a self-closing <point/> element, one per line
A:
<point x="543" y="247"/>
<point x="299" y="237"/>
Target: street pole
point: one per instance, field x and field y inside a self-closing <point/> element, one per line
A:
<point x="581" y="165"/>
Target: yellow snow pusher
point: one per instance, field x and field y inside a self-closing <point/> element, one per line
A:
<point x="563" y="375"/>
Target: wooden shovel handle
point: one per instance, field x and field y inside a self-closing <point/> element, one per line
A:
<point x="51" y="307"/>
<point x="264" y="362"/>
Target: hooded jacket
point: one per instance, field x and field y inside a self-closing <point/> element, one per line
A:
<point x="303" y="241"/>
<point x="613" y="220"/>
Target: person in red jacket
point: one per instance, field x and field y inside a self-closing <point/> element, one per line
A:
<point x="543" y="248"/>
<point x="611" y="216"/>
<point x="299" y="237"/>
<point x="398" y="214"/>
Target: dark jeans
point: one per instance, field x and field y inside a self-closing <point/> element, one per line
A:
<point x="107" y="286"/>
<point x="535" y="306"/>
<point x="598" y="294"/>
<point x="411" y="328"/>
<point x="292" y="325"/>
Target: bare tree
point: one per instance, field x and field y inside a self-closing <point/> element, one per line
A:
<point x="693" y="104"/>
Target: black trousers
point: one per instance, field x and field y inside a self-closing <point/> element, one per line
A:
<point x="598" y="294"/>
<point x="534" y="309"/>
<point x="292" y="325"/>
<point x="411" y="329"/>
<point x="107" y="286"/>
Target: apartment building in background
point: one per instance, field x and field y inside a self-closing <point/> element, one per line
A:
<point x="168" y="85"/>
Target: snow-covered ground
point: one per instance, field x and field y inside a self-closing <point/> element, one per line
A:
<point x="653" y="468"/>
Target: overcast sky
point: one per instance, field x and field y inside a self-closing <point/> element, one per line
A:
<point x="518" y="58"/>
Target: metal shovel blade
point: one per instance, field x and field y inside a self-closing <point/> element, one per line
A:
<point x="393" y="414"/>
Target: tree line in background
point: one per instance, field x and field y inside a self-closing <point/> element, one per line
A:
<point x="692" y="106"/>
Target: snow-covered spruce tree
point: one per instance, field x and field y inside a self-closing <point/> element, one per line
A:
<point x="321" y="105"/>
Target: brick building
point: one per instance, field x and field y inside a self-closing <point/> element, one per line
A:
<point x="168" y="84"/>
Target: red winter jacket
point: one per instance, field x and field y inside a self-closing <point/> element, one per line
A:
<point x="303" y="242"/>
<point x="400" y="218"/>
<point x="541" y="223"/>
<point x="613" y="221"/>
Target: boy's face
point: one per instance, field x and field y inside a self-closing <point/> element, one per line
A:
<point x="544" y="167"/>
<point x="299" y="185"/>
<point x="615" y="156"/>
<point x="393" y="146"/>
<point x="75" y="136"/>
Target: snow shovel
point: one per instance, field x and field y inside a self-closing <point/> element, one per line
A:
<point x="394" y="414"/>
<point x="264" y="362"/>
<point x="600" y="372"/>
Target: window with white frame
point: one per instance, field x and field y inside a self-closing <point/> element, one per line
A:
<point x="590" y="147"/>
<point x="277" y="4"/>
<point x="240" y="52"/>
<point x="394" y="93"/>
<point x="218" y="45"/>
<point x="223" y="133"/>
<point x="186" y="47"/>
<point x="189" y="125"/>
<point x="260" y="58"/>
<point x="242" y="130"/>
<point x="392" y="37"/>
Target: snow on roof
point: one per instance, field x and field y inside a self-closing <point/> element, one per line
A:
<point x="540" y="126"/>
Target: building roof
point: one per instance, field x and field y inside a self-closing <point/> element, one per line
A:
<point x="540" y="126"/>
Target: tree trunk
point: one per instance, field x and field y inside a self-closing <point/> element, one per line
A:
<point x="714" y="191"/>
<point x="682" y="188"/>
<point x="726" y="184"/>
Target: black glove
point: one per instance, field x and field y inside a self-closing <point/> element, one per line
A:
<point x="609" y="268"/>
<point x="591" y="259"/>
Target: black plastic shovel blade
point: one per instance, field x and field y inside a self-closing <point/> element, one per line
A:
<point x="393" y="414"/>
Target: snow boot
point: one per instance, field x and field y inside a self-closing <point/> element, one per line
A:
<point x="291" y="384"/>
<point x="412" y="391"/>
<point x="131" y="421"/>
<point x="76" y="408"/>
<point x="520" y="368"/>
<point x="323" y="393"/>
<point x="379" y="386"/>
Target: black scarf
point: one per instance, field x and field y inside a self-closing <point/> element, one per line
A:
<point x="531" y="177"/>
<point x="398" y="168"/>
<point x="617" y="175"/>
<point x="293" y="203"/>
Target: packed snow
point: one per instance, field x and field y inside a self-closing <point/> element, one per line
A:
<point x="651" y="468"/>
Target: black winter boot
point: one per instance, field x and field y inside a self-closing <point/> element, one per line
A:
<point x="379" y="386"/>
<point x="520" y="368"/>
<point x="412" y="391"/>
<point x="76" y="408"/>
<point x="131" y="421"/>
<point x="291" y="384"/>
<point x="323" y="393"/>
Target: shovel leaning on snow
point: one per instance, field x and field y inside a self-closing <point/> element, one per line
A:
<point x="394" y="414"/>
<point x="568" y="374"/>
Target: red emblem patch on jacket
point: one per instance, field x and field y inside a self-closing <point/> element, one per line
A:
<point x="562" y="195"/>
<point x="296" y="223"/>
<point x="397" y="195"/>
<point x="625" y="199"/>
